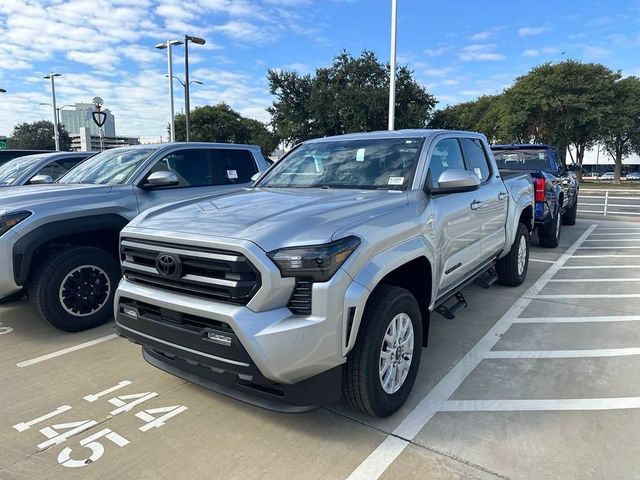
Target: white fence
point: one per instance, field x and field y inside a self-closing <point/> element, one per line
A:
<point x="609" y="202"/>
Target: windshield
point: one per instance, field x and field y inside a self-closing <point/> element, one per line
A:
<point x="10" y="171"/>
<point x="525" y="159"/>
<point x="387" y="164"/>
<point x="112" y="167"/>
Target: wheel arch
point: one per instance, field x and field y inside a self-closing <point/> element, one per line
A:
<point x="96" y="230"/>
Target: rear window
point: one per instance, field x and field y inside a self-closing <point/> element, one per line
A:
<point x="524" y="159"/>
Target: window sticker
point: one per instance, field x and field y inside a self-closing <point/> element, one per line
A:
<point x="395" y="181"/>
<point x="119" y="177"/>
<point x="232" y="174"/>
<point x="360" y="155"/>
<point x="540" y="155"/>
<point x="478" y="172"/>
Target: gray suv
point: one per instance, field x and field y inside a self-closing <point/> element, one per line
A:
<point x="59" y="242"/>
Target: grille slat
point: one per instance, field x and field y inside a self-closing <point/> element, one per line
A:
<point x="210" y="273"/>
<point x="300" y="301"/>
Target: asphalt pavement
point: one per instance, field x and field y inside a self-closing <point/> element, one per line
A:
<point x="540" y="381"/>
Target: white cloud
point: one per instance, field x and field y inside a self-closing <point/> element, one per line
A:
<point x="480" y="53"/>
<point x="483" y="35"/>
<point x="531" y="31"/>
<point x="436" y="52"/>
<point x="539" y="52"/>
<point x="595" y="51"/>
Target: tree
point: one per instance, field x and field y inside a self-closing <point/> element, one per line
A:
<point x="351" y="95"/>
<point x="563" y="104"/>
<point x="220" y="123"/>
<point x="481" y="115"/>
<point x="38" y="136"/>
<point x="621" y="126"/>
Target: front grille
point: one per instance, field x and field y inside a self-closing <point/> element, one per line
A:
<point x="204" y="272"/>
<point x="164" y="315"/>
<point x="300" y="301"/>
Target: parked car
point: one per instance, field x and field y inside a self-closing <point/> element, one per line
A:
<point x="608" y="176"/>
<point x="320" y="278"/>
<point x="59" y="242"/>
<point x="7" y="154"/>
<point x="633" y="176"/>
<point x="42" y="168"/>
<point x="556" y="186"/>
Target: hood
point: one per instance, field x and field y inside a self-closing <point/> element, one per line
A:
<point x="273" y="218"/>
<point x="29" y="196"/>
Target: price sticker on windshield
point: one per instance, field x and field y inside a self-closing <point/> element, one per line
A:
<point x="232" y="174"/>
<point x="395" y="181"/>
<point x="360" y="155"/>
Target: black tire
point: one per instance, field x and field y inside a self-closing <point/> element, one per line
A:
<point x="91" y="272"/>
<point x="549" y="233"/>
<point x="569" y="217"/>
<point x="362" y="385"/>
<point x="510" y="271"/>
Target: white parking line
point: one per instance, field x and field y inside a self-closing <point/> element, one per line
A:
<point x="613" y="240"/>
<point x="540" y="260"/>
<point x="589" y="353"/>
<point x="606" y="256"/>
<point x="64" y="351"/>
<point x="613" y="234"/>
<point x="540" y="405"/>
<point x="617" y="228"/>
<point x="589" y="295"/>
<point x="611" y="247"/>
<point x="380" y="459"/>
<point x="622" y="318"/>
<point x="582" y="267"/>
<point x="595" y="280"/>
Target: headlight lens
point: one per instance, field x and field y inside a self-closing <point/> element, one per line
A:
<point x="319" y="262"/>
<point x="8" y="221"/>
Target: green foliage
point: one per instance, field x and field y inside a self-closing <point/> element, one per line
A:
<point x="220" y="123"/>
<point x="38" y="136"/>
<point x="620" y="134"/>
<point x="352" y="95"/>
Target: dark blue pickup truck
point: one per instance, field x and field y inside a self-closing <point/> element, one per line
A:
<point x="556" y="187"/>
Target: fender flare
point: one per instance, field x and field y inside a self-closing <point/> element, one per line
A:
<point x="371" y="275"/>
<point x="24" y="249"/>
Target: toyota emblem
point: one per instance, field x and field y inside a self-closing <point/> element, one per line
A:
<point x="169" y="265"/>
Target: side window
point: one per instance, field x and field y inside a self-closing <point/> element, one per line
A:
<point x="446" y="156"/>
<point x="193" y="167"/>
<point x="69" y="163"/>
<point x="233" y="166"/>
<point x="476" y="158"/>
<point x="54" y="170"/>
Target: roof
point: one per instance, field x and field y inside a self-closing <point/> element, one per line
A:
<point x="520" y="146"/>
<point x="191" y="144"/>
<point x="407" y="133"/>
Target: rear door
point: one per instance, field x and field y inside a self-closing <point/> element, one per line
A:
<point x="456" y="224"/>
<point x="491" y="198"/>
<point x="200" y="171"/>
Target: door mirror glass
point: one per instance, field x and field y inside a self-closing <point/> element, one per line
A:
<point x="161" y="179"/>
<point x="454" y="180"/>
<point x="41" y="180"/>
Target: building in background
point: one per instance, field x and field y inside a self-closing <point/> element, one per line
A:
<point x="74" y="120"/>
<point x="597" y="162"/>
<point x="86" y="141"/>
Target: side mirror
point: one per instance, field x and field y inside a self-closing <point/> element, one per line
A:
<point x="453" y="181"/>
<point x="41" y="180"/>
<point x="574" y="167"/>
<point x="161" y="179"/>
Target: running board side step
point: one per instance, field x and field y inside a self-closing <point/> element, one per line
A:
<point x="487" y="279"/>
<point x="450" y="312"/>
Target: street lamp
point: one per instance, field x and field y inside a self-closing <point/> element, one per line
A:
<point x="57" y="109"/>
<point x="56" y="134"/>
<point x="197" y="41"/>
<point x="182" y="81"/>
<point x="161" y="46"/>
<point x="392" y="82"/>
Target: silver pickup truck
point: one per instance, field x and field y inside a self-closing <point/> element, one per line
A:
<point x="59" y="242"/>
<point x="319" y="280"/>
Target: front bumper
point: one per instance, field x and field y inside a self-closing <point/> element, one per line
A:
<point x="8" y="285"/>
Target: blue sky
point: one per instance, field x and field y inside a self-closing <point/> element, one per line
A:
<point x="458" y="49"/>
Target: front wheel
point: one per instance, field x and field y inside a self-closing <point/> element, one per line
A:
<point x="73" y="289"/>
<point x="512" y="268"/>
<point x="382" y="368"/>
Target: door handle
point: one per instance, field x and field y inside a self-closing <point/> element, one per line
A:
<point x="502" y="195"/>
<point x="475" y="205"/>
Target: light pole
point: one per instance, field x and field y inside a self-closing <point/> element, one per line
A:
<point x="181" y="82"/>
<point x="57" y="109"/>
<point x="56" y="134"/>
<point x="392" y="81"/>
<point x="197" y="41"/>
<point x="168" y="44"/>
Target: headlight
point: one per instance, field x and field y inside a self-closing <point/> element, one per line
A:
<point x="7" y="222"/>
<point x="319" y="262"/>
